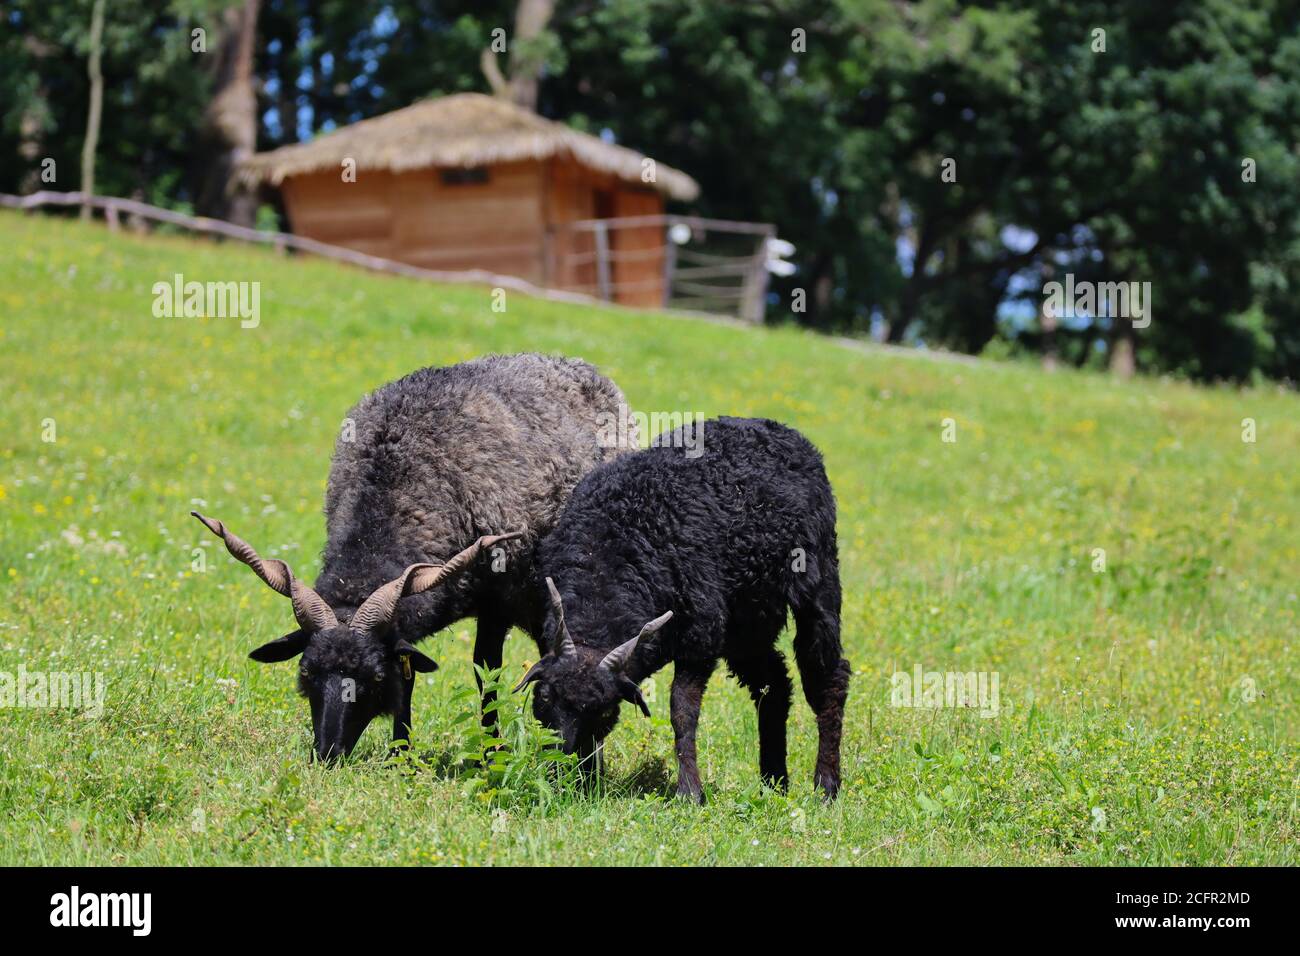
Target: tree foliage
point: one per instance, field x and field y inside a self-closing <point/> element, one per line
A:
<point x="1103" y="139"/>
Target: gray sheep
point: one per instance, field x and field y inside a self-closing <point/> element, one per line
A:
<point x="426" y="470"/>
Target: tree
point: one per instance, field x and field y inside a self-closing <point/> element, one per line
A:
<point x="96" y="105"/>
<point x="45" y="100"/>
<point x="528" y="54"/>
<point x="935" y="163"/>
<point x="230" y="122"/>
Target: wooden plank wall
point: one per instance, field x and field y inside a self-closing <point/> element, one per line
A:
<point x="353" y="215"/>
<point x="414" y="217"/>
<point x="641" y="273"/>
<point x="495" y="225"/>
<point x="570" y="196"/>
<point x="501" y="225"/>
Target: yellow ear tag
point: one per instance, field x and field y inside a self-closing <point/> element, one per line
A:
<point x="406" y="666"/>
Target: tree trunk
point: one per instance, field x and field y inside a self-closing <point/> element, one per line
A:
<point x="1049" y="323"/>
<point x="908" y="303"/>
<point x="526" y="61"/>
<point x="531" y="18"/>
<point x="924" y="239"/>
<point x="1123" y="362"/>
<point x="229" y="134"/>
<point x="821" y="289"/>
<point x="31" y="123"/>
<point x="96" y="105"/>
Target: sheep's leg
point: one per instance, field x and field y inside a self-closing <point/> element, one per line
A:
<point x="769" y="686"/>
<point x="402" y="718"/>
<point x="689" y="681"/>
<point x="489" y="646"/>
<point x="825" y="677"/>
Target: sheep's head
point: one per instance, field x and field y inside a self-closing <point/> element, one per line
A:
<point x="349" y="678"/>
<point x="351" y="672"/>
<point x="579" y="688"/>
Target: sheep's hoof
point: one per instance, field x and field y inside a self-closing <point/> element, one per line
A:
<point x="829" y="784"/>
<point x="692" y="791"/>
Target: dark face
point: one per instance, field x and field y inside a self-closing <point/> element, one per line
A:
<point x="579" y="687"/>
<point x="353" y="671"/>
<point x="579" y="700"/>
<point x="349" y="680"/>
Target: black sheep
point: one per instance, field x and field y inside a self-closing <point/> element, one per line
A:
<point x="426" y="467"/>
<point x="711" y="551"/>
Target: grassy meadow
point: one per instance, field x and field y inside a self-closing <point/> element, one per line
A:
<point x="1148" y="710"/>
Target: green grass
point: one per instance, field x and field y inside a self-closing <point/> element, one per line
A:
<point x="1128" y="732"/>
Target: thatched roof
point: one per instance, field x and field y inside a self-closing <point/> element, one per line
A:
<point x="466" y="129"/>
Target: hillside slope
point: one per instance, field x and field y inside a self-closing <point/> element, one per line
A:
<point x="1148" y="711"/>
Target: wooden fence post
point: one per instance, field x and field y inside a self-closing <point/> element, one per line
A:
<point x="670" y="263"/>
<point x="753" y="298"/>
<point x="602" y="261"/>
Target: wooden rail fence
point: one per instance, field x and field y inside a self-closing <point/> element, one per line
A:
<point x="742" y="296"/>
<point x="115" y="208"/>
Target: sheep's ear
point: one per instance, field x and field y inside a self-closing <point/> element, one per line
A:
<point x="282" y="648"/>
<point x="533" y="674"/>
<point x="419" y="662"/>
<point x="632" y="694"/>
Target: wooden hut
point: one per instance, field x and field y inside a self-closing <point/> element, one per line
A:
<point x="473" y="182"/>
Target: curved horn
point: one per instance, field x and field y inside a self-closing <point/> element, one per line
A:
<point x="378" y="609"/>
<point x="564" y="643"/>
<point x="309" y="608"/>
<point x="616" y="660"/>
